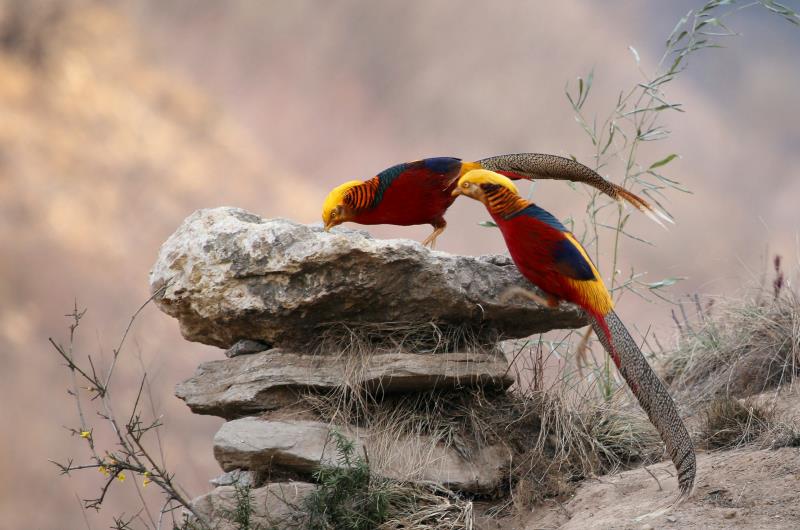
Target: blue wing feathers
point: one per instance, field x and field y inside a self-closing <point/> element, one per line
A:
<point x="443" y="164"/>
<point x="571" y="262"/>
<point x="542" y="215"/>
<point x="439" y="165"/>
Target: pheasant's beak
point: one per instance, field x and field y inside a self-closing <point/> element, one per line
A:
<point x="456" y="192"/>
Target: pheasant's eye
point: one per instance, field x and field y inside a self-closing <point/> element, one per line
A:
<point x="333" y="214"/>
<point x="465" y="185"/>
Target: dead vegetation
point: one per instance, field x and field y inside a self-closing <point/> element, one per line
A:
<point x="732" y="352"/>
<point x="356" y="340"/>
<point x="555" y="437"/>
<point x="737" y="348"/>
<point x="563" y="433"/>
<point x="553" y="443"/>
<point x="730" y="423"/>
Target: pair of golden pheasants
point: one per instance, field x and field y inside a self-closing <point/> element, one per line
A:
<point x="545" y="252"/>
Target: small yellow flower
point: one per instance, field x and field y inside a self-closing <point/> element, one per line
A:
<point x="121" y="476"/>
<point x="103" y="470"/>
<point x="86" y="434"/>
<point x="146" y="480"/>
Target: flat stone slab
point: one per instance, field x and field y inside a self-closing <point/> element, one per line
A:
<point x="250" y="384"/>
<point x="273" y="505"/>
<point x="301" y="446"/>
<point x="229" y="275"/>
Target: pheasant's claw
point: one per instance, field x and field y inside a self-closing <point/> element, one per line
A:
<point x="430" y="241"/>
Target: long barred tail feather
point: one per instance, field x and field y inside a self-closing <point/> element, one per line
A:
<point x="652" y="395"/>
<point x="544" y="166"/>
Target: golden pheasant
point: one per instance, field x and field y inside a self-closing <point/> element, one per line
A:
<point x="548" y="255"/>
<point x="420" y="192"/>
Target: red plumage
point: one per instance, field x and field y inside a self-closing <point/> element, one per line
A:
<point x="416" y="196"/>
<point x="530" y="243"/>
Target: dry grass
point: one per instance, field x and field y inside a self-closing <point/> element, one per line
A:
<point x="737" y="348"/>
<point x="730" y="423"/>
<point x="553" y="440"/>
<point x="415" y="506"/>
<point x="554" y="436"/>
<point x="390" y="337"/>
<point x="728" y="354"/>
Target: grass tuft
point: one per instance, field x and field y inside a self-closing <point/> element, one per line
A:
<point x="730" y="423"/>
<point x="393" y="337"/>
<point x="737" y="348"/>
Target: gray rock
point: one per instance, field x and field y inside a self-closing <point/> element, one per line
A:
<point x="276" y="505"/>
<point x="237" y="476"/>
<point x="227" y="275"/>
<point x="274" y="379"/>
<point x="301" y="446"/>
<point x="250" y="443"/>
<point x="246" y="347"/>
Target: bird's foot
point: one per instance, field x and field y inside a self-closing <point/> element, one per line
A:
<point x="511" y="292"/>
<point x="430" y="241"/>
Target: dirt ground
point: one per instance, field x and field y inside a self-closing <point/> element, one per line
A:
<point x="743" y="488"/>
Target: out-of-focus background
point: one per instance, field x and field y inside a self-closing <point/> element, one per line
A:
<point x="118" y="119"/>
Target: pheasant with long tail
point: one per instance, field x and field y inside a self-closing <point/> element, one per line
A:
<point x="420" y="192"/>
<point x="548" y="255"/>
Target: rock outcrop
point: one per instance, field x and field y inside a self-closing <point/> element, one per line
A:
<point x="229" y="275"/>
<point x="301" y="446"/>
<point x="274" y="505"/>
<point x="274" y="379"/>
<point x="421" y="331"/>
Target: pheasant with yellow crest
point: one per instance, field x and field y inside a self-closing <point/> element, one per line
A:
<point x="548" y="255"/>
<point x="420" y="192"/>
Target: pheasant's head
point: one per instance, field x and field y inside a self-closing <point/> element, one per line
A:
<point x="334" y="209"/>
<point x="479" y="183"/>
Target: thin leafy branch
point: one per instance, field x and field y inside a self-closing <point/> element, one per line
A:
<point x="637" y="118"/>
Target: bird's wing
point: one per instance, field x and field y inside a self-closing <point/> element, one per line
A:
<point x="571" y="262"/>
<point x="370" y="193"/>
<point x="569" y="257"/>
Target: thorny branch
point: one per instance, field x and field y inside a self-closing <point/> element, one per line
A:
<point x="130" y="455"/>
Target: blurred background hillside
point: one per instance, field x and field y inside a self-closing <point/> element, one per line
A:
<point x="118" y="119"/>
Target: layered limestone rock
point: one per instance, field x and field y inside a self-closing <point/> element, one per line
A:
<point x="275" y="505"/>
<point x="229" y="275"/>
<point x="340" y="318"/>
<point x="270" y="380"/>
<point x="299" y="446"/>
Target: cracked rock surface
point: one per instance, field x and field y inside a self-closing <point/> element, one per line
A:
<point x="229" y="275"/>
<point x="300" y="446"/>
<point x="274" y="379"/>
<point x="274" y="505"/>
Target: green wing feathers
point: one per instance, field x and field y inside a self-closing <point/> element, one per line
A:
<point x="652" y="396"/>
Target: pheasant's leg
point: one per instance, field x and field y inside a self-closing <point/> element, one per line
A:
<point x="546" y="300"/>
<point x="438" y="227"/>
